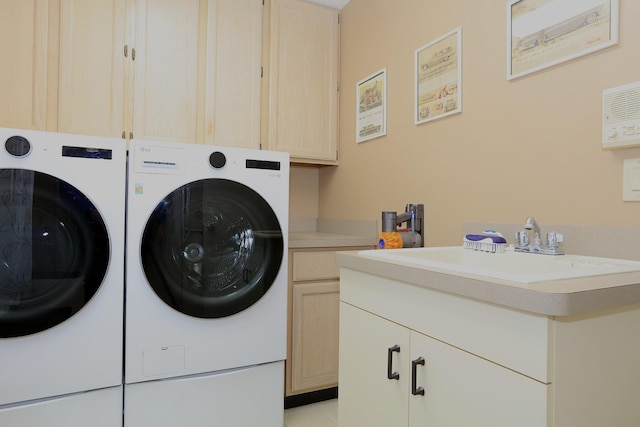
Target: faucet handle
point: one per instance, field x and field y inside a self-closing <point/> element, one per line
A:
<point x="522" y="238"/>
<point x="554" y="239"/>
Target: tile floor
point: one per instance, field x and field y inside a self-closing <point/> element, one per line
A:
<point x="320" y="414"/>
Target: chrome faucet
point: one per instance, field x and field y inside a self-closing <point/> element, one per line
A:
<point x="531" y="224"/>
<point x="553" y="245"/>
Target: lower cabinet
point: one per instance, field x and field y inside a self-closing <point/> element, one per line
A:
<point x="313" y="308"/>
<point x="415" y="356"/>
<point x="394" y="376"/>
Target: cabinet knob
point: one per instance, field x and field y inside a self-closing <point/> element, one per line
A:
<point x="390" y="351"/>
<point x="414" y="370"/>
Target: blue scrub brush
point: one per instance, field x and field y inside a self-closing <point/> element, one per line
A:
<point x="488" y="241"/>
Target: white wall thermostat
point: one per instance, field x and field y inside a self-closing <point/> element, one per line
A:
<point x="621" y="116"/>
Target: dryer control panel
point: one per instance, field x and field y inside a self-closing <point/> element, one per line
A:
<point x="159" y="160"/>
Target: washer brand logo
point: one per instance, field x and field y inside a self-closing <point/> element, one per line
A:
<point x="139" y="189"/>
<point x="145" y="149"/>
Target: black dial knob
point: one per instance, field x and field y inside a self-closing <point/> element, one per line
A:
<point x="17" y="146"/>
<point x="217" y="160"/>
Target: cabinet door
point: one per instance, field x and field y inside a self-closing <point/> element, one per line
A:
<point x="24" y="67"/>
<point x="461" y="389"/>
<point x="303" y="88"/>
<point x="367" y="396"/>
<point x="197" y="71"/>
<point x="314" y="336"/>
<point x="234" y="69"/>
<point x="168" y="57"/>
<point x="91" y="67"/>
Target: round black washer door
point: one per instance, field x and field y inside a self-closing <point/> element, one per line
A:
<point x="212" y="248"/>
<point x="54" y="251"/>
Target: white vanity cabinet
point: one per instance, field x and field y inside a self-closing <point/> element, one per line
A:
<point x="479" y="364"/>
<point x="436" y="383"/>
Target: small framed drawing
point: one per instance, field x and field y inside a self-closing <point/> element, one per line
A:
<point x="371" y="106"/>
<point x="544" y="33"/>
<point x="438" y="78"/>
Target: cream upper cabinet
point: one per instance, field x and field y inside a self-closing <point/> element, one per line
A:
<point x="303" y="85"/>
<point x="25" y="63"/>
<point x="180" y="70"/>
<point x="166" y="60"/>
<point x="91" y="80"/>
<point x="234" y="73"/>
<point x="197" y="71"/>
<point x="66" y="68"/>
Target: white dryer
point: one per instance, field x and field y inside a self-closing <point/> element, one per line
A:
<point x="206" y="282"/>
<point x="62" y="202"/>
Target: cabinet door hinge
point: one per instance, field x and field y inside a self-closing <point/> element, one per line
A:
<point x="261" y="71"/>
<point x="124" y="135"/>
<point x="338" y="86"/>
<point x="133" y="53"/>
<point x="126" y="51"/>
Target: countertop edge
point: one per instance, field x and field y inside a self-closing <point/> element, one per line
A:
<point x="299" y="240"/>
<point x="517" y="297"/>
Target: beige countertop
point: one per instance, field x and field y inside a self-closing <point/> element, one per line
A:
<point x="566" y="297"/>
<point x="327" y="233"/>
<point x="325" y="240"/>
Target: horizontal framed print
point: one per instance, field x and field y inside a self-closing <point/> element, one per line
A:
<point x="371" y="106"/>
<point x="438" y="78"/>
<point x="544" y="33"/>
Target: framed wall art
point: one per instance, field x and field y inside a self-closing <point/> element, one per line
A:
<point x="371" y="106"/>
<point x="544" y="33"/>
<point x="438" y="77"/>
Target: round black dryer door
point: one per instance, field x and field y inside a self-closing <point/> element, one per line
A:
<point x="212" y="248"/>
<point x="54" y="251"/>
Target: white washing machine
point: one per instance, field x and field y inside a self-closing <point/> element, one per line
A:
<point x="206" y="283"/>
<point x="62" y="203"/>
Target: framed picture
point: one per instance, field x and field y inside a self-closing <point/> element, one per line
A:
<point x="543" y="33"/>
<point x="371" y="106"/>
<point x="438" y="74"/>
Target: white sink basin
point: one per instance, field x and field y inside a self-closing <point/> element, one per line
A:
<point x="513" y="266"/>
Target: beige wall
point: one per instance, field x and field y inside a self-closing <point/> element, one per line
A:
<point x="529" y="146"/>
<point x="303" y="192"/>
